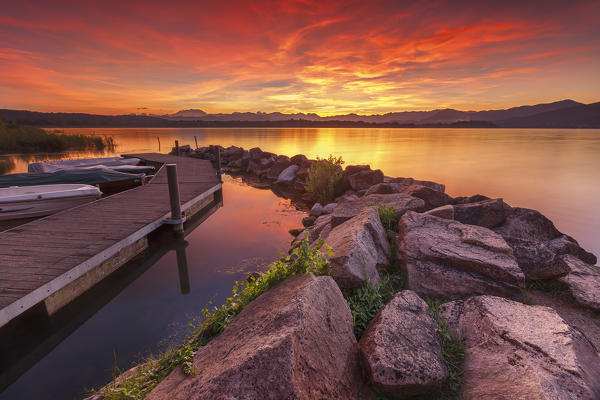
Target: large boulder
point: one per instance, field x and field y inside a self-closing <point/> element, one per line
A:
<point x="281" y="163"/>
<point x="516" y="351"/>
<point x="469" y="199"/>
<point x="364" y="179"/>
<point x="320" y="229"/>
<point x="349" y="208"/>
<point x="537" y="244"/>
<point x="583" y="281"/>
<point x="401" y="349"/>
<point x="486" y="213"/>
<point x="295" y="341"/>
<point x="444" y="258"/>
<point x="432" y="198"/>
<point x="383" y="188"/>
<point x="359" y="248"/>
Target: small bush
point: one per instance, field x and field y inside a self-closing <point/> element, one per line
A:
<point x="322" y="178"/>
<point x="367" y="300"/>
<point x="304" y="259"/>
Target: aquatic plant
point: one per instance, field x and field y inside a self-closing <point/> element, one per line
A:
<point x="27" y="139"/>
<point x="137" y="383"/>
<point x="323" y="175"/>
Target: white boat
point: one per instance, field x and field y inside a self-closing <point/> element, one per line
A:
<point x="19" y="202"/>
<point x="109" y="162"/>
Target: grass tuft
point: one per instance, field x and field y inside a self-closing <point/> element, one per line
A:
<point x="367" y="300"/>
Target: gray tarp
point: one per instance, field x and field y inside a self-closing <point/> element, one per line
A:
<point x="92" y="176"/>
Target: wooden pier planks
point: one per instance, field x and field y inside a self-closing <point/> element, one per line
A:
<point x="38" y="258"/>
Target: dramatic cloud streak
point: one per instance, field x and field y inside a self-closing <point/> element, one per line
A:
<point x="311" y="56"/>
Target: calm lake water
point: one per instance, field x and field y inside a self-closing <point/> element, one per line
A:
<point x="554" y="171"/>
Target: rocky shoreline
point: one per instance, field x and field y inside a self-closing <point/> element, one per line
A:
<point x="480" y="260"/>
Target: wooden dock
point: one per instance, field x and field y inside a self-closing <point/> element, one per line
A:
<point x="55" y="259"/>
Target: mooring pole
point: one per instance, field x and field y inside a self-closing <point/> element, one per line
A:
<point x="196" y="140"/>
<point x="219" y="171"/>
<point x="157" y="138"/>
<point x="174" y="197"/>
<point x="177" y="147"/>
<point x="184" y="278"/>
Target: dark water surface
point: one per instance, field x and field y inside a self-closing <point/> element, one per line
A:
<point x="554" y="171"/>
<point x="250" y="230"/>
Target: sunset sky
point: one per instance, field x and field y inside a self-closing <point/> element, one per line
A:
<point x="327" y="57"/>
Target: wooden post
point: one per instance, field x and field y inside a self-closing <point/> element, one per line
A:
<point x="184" y="278"/>
<point x="174" y="197"/>
<point x="157" y="138"/>
<point x="177" y="147"/>
<point x="219" y="172"/>
<point x="196" y="140"/>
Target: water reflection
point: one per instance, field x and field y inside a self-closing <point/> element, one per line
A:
<point x="147" y="305"/>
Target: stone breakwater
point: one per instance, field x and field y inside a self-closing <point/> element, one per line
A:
<point x="477" y="254"/>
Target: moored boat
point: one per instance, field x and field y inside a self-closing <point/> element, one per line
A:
<point x="108" y="180"/>
<point x="109" y="162"/>
<point x="37" y="201"/>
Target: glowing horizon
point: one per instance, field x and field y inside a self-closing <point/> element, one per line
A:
<point x="313" y="57"/>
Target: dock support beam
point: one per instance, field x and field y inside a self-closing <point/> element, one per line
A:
<point x="174" y="197"/>
<point x="219" y="170"/>
<point x="177" y="147"/>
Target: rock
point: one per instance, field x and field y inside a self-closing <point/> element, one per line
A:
<point x="365" y="179"/>
<point x="583" y="281"/>
<point x="296" y="231"/>
<point x="444" y="258"/>
<point x="232" y="152"/>
<point x="354" y="169"/>
<point x="567" y="245"/>
<point x="471" y="199"/>
<point x="328" y="209"/>
<point x="295" y="341"/>
<point x="410" y="181"/>
<point x="182" y="149"/>
<point x="288" y="174"/>
<point x="401" y="349"/>
<point x="486" y="213"/>
<point x="431" y="197"/>
<point x="516" y="351"/>
<point x="316" y="210"/>
<point x="320" y="229"/>
<point x="360" y="247"/>
<point x="350" y="195"/>
<point x="537" y="243"/>
<point x="309" y="221"/>
<point x="536" y="260"/>
<point x="382" y="188"/>
<point x="299" y="159"/>
<point x="280" y="164"/>
<point x="348" y="209"/>
<point x="446" y="212"/>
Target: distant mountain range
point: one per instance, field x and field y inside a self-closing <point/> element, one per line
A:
<point x="560" y="114"/>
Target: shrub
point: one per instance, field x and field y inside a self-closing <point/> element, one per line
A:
<point x="322" y="178"/>
<point x="305" y="259"/>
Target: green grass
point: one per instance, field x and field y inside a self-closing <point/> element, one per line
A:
<point x="367" y="300"/>
<point x="323" y="175"/>
<point x="15" y="138"/>
<point x="453" y="350"/>
<point x="304" y="259"/>
<point x="388" y="217"/>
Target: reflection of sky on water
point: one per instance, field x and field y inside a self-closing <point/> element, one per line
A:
<point x="226" y="247"/>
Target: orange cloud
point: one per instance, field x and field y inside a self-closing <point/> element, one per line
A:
<point x="325" y="57"/>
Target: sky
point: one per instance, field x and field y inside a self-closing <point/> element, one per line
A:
<point x="327" y="57"/>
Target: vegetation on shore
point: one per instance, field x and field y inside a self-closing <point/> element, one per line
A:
<point x="137" y="383"/>
<point x="323" y="175"/>
<point x="27" y="139"/>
